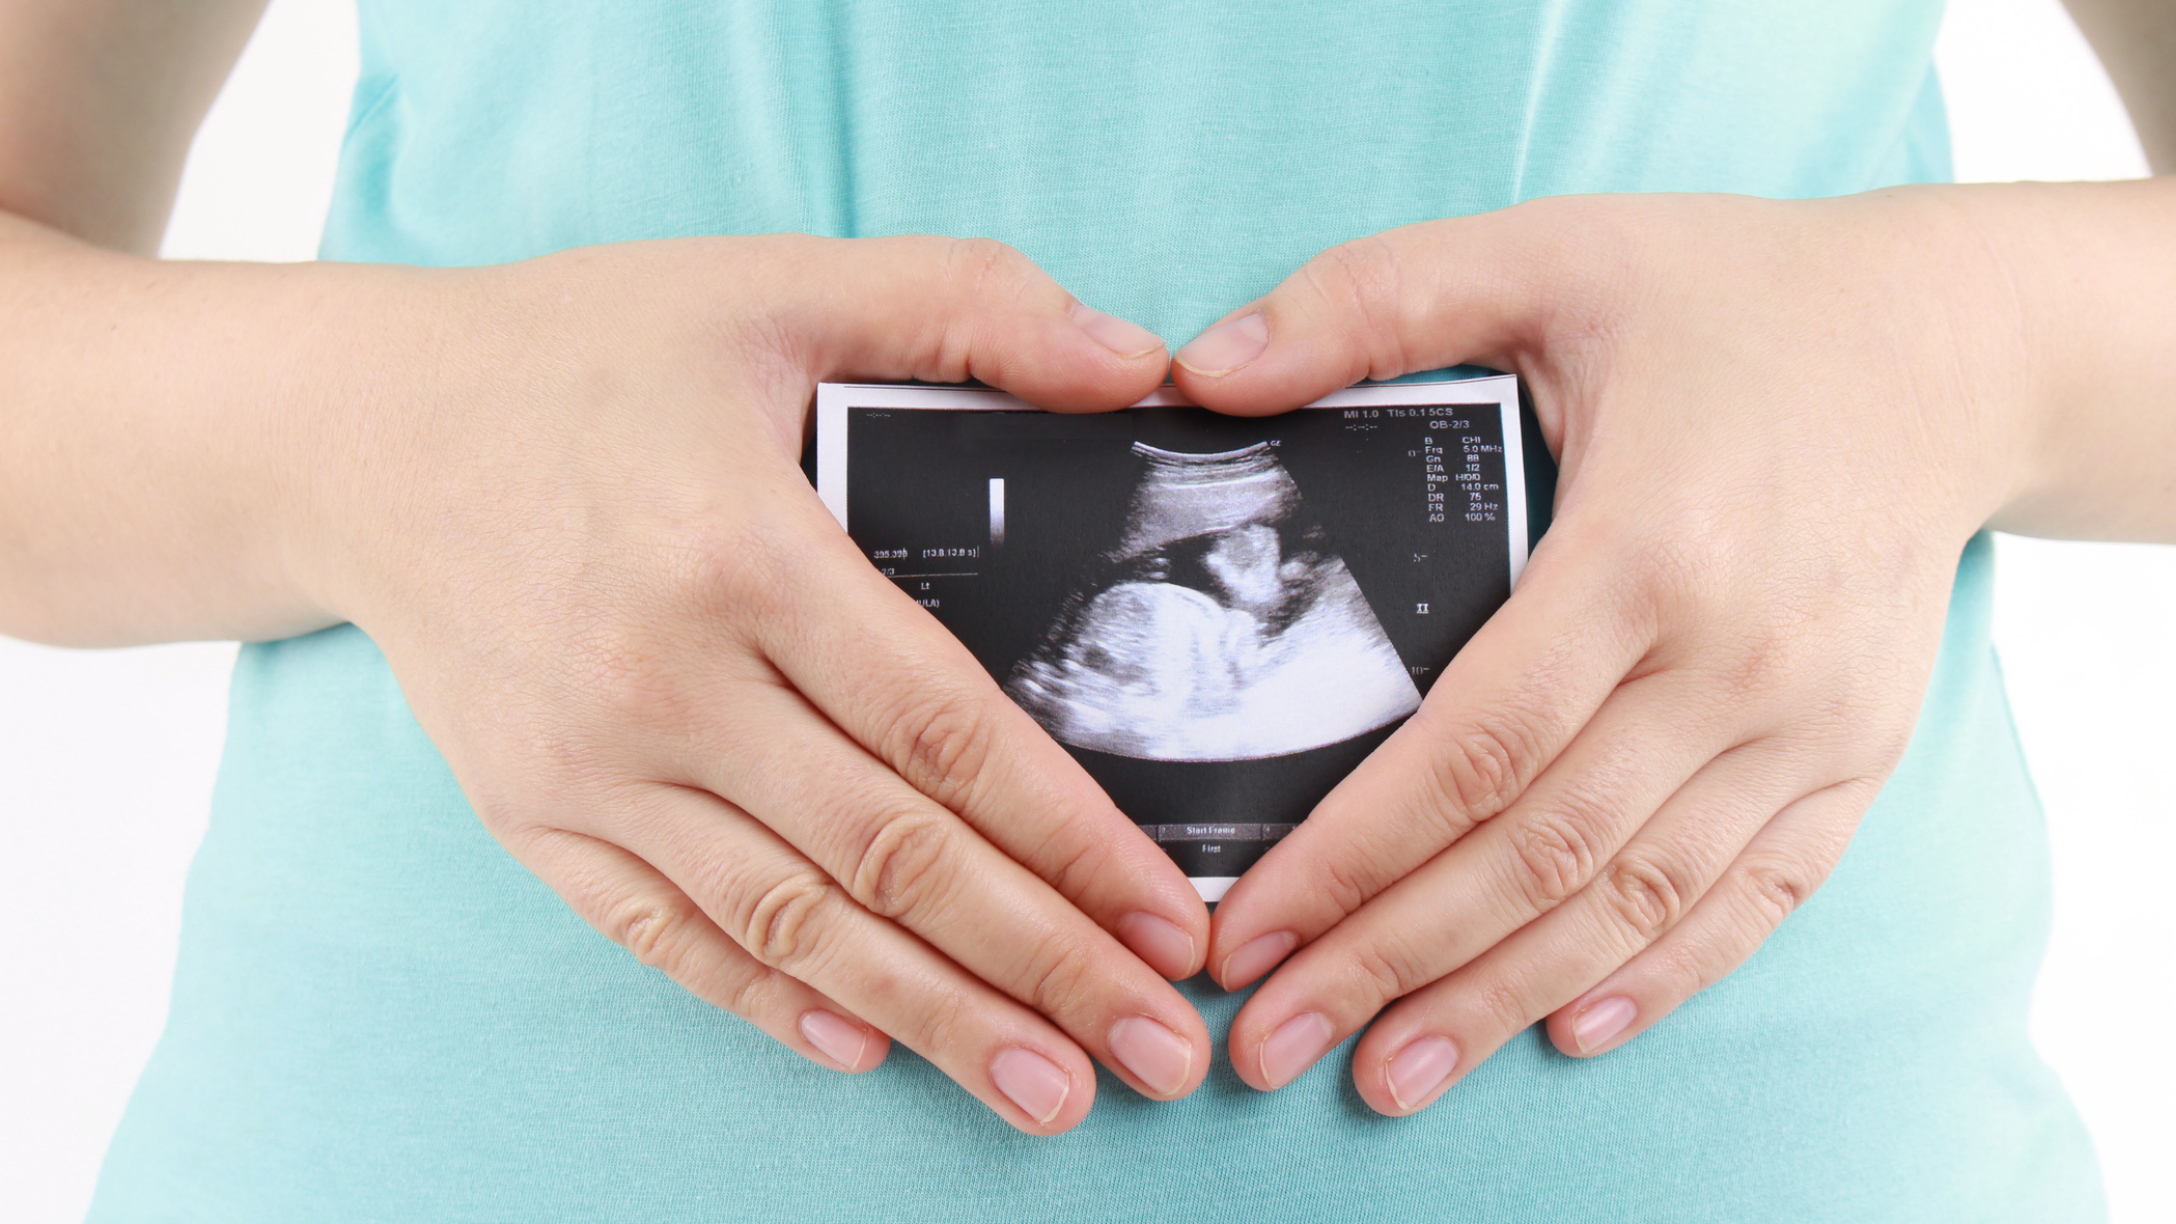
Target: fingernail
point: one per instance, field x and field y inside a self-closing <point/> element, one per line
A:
<point x="1256" y="957"/>
<point x="1034" y="1083"/>
<point x="1596" y="1025"/>
<point x="1167" y="949"/>
<point x="1297" y="1045"/>
<point x="1225" y="347"/>
<point x="1418" y="1068"/>
<point x="1157" y="1056"/>
<point x="842" y="1041"/>
<point x="1115" y="334"/>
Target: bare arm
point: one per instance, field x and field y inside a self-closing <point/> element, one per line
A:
<point x="98" y="102"/>
<point x="2080" y="279"/>
<point x="563" y="498"/>
<point x="2136" y="42"/>
<point x="448" y="459"/>
<point x="1780" y="423"/>
<point x="141" y="400"/>
<point x="2090" y="269"/>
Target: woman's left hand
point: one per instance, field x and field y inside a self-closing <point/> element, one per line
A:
<point x="1779" y="424"/>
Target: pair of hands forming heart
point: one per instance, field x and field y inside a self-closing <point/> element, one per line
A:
<point x="674" y="689"/>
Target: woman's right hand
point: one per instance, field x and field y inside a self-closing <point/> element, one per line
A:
<point x="674" y="689"/>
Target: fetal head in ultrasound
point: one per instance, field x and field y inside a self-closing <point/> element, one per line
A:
<point x="1222" y="626"/>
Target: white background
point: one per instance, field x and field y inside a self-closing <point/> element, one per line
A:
<point x="106" y="759"/>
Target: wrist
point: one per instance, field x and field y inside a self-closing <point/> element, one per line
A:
<point x="401" y="388"/>
<point x="2086" y="274"/>
<point x="1972" y="333"/>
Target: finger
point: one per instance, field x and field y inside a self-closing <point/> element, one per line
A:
<point x="918" y="701"/>
<point x="1546" y="850"/>
<point x="903" y="858"/>
<point x="947" y="310"/>
<point x="1499" y="715"/>
<point x="791" y="916"/>
<point x="1420" y="297"/>
<point x="634" y="906"/>
<point x="1774" y="875"/>
<point x="1643" y="893"/>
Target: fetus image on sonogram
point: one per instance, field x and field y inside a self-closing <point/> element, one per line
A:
<point x="1221" y="627"/>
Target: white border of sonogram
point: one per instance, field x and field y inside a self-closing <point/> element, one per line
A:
<point x="833" y="399"/>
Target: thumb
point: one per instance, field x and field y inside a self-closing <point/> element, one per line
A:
<point x="1420" y="297"/>
<point x="950" y="309"/>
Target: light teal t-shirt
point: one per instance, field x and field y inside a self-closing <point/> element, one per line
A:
<point x="379" y="1016"/>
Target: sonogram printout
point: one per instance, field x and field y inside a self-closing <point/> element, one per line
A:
<point x="1218" y="616"/>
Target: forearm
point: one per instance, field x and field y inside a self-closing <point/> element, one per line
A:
<point x="175" y="432"/>
<point x="2088" y="273"/>
<point x="2136" y="43"/>
<point x="98" y="101"/>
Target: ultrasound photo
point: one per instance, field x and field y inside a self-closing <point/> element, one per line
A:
<point x="1219" y="617"/>
<point x="1223" y="626"/>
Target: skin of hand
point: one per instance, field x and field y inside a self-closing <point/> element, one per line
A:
<point x="179" y="439"/>
<point x="674" y="688"/>
<point x="1779" y="423"/>
<point x="564" y="498"/>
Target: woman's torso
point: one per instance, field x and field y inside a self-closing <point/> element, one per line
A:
<point x="379" y="1015"/>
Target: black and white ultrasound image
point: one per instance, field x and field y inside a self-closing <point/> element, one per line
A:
<point x="1218" y="617"/>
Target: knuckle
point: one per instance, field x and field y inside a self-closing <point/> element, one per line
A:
<point x="1072" y="866"/>
<point x="1686" y="577"/>
<point x="1775" y="891"/>
<point x="627" y="674"/>
<point x="972" y="276"/>
<point x="1362" y="280"/>
<point x="755" y="992"/>
<point x="979" y="271"/>
<point x="739" y="574"/>
<point x="940" y="745"/>
<point x="1554" y="859"/>
<point x="732" y="567"/>
<point x="783" y="924"/>
<point x="974" y="263"/>
<point x="1502" y="998"/>
<point x="935" y="1025"/>
<point x="1362" y="273"/>
<point x="1756" y="663"/>
<point x="1687" y="966"/>
<point x="1482" y="770"/>
<point x="658" y="932"/>
<point x="1769" y="656"/>
<point x="1061" y="980"/>
<point x="1389" y="969"/>
<point x="899" y="868"/>
<point x="1644" y="896"/>
<point x="1348" y="883"/>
